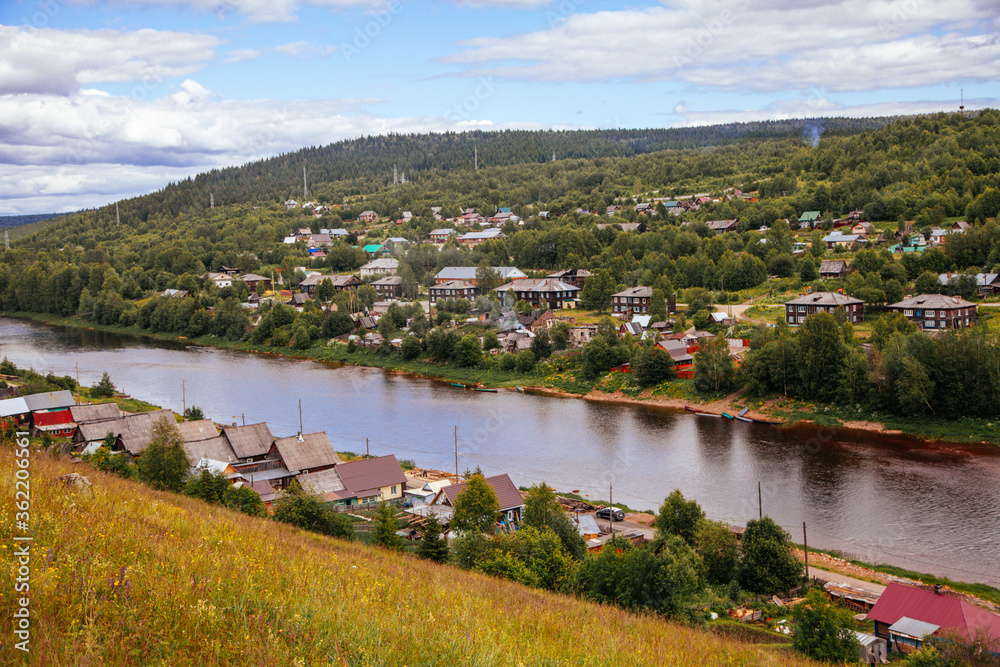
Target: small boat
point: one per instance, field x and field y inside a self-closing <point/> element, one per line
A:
<point x="727" y="415"/>
<point x="690" y="409"/>
<point x="492" y="391"/>
<point x="707" y="414"/>
<point x="744" y="419"/>
<point x="458" y="384"/>
<point x="743" y="412"/>
<point x="520" y="389"/>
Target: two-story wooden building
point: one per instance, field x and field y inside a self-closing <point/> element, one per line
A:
<point x="633" y="301"/>
<point x="936" y="311"/>
<point x="549" y="292"/>
<point x="797" y="310"/>
<point x="389" y="288"/>
<point x="454" y="289"/>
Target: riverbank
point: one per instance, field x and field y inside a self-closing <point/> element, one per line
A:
<point x="674" y="395"/>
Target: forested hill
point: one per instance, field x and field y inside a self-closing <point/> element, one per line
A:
<point x="371" y="159"/>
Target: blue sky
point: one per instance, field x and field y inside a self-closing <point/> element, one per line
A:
<point x="105" y="99"/>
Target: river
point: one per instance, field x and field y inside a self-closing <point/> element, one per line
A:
<point x="925" y="506"/>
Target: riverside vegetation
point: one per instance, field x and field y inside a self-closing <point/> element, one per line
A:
<point x="85" y="269"/>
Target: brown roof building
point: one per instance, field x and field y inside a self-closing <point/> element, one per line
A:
<point x="935" y="312"/>
<point x="454" y="289"/>
<point x="369" y="480"/>
<point x="250" y="442"/>
<point x="633" y="301"/>
<point x="310" y="452"/>
<point x="511" y="502"/>
<point x="546" y="291"/>
<point x="389" y="288"/>
<point x="797" y="310"/>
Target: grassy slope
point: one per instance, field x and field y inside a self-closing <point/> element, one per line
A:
<point x="132" y="576"/>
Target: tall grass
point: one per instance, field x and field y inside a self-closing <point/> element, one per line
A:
<point x="130" y="576"/>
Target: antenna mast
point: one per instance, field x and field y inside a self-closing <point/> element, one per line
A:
<point x="961" y="108"/>
<point x="395" y="176"/>
<point x="475" y="152"/>
<point x="305" y="189"/>
<point x="118" y="217"/>
<point x="211" y="200"/>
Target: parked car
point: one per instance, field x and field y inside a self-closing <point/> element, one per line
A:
<point x="613" y="513"/>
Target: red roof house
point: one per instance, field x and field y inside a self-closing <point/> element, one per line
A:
<point x="57" y="423"/>
<point x="950" y="613"/>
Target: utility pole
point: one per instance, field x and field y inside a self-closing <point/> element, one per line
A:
<point x="475" y="151"/>
<point x="300" y="416"/>
<point x="367" y="455"/>
<point x="805" y="548"/>
<point x="760" y="504"/>
<point x="77" y="377"/>
<point x="118" y="217"/>
<point x="456" y="453"/>
<point x="305" y="189"/>
<point x="611" y="508"/>
<point x="183" y="397"/>
<point x="211" y="200"/>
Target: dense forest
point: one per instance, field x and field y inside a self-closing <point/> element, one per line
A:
<point x="922" y="170"/>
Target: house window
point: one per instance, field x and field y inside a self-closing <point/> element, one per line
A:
<point x="393" y="490"/>
<point x="929" y="324"/>
<point x="908" y="313"/>
<point x="801" y="319"/>
<point x="802" y="309"/>
<point x="942" y="324"/>
<point x="791" y="319"/>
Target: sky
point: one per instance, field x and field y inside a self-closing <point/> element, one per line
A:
<point x="106" y="99"/>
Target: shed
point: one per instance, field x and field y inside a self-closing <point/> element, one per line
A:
<point x="908" y="634"/>
<point x="98" y="412"/>
<point x="137" y="430"/>
<point x="932" y="606"/>
<point x="872" y="650"/>
<point x="54" y="423"/>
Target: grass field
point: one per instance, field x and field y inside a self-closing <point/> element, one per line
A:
<point x="124" y="575"/>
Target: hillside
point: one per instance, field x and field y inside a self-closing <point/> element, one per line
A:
<point x="126" y="575"/>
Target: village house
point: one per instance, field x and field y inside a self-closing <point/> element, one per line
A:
<point x="839" y="239"/>
<point x="550" y="292"/>
<point x="809" y="218"/>
<point x="220" y="280"/>
<point x="468" y="274"/>
<point x="382" y="266"/>
<point x="798" y="309"/>
<point x="203" y="442"/>
<point x="722" y="226"/>
<point x="378" y="479"/>
<point x="936" y="311"/>
<point x="309" y="285"/>
<point x="906" y="615"/>
<point x="453" y="289"/>
<point x="472" y="239"/>
<point x="864" y="229"/>
<point x="581" y="334"/>
<point x="251" y="442"/>
<point x="306" y="452"/>
<point x="97" y="412"/>
<point x="833" y="268"/>
<point x="52" y="423"/>
<point x="576" y="277"/>
<point x="510" y="500"/>
<point x="633" y="301"/>
<point x="389" y="288"/>
<point x="256" y="283"/>
<point x="441" y="235"/>
<point x="133" y="432"/>
<point x="368" y="216"/>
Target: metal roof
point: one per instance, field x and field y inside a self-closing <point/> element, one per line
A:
<point x="365" y="474"/>
<point x="933" y="302"/>
<point x="898" y="601"/>
<point x="507" y="494"/>
<point x="824" y="299"/>
<point x="14" y="406"/>
<point x="911" y="627"/>
<point x="866" y="639"/>
<point x="52" y="400"/>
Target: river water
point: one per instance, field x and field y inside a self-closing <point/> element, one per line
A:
<point x="928" y="507"/>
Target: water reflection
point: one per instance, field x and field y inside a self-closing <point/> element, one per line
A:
<point x="925" y="506"/>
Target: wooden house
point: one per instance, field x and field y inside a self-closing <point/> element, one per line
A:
<point x="453" y="289"/>
<point x="797" y="310"/>
<point x="306" y="452"/>
<point x="202" y="441"/>
<point x="52" y="423"/>
<point x="576" y="277"/>
<point x="510" y="499"/>
<point x="633" y="301"/>
<point x="833" y="268"/>
<point x="936" y="312"/>
<point x="376" y="479"/>
<point x="389" y="288"/>
<point x="251" y="442"/>
<point x="549" y="292"/>
<point x="368" y="216"/>
<point x="256" y="283"/>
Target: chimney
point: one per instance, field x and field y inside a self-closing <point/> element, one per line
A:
<point x="937" y="589"/>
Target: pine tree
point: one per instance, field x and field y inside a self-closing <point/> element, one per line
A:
<point x="433" y="546"/>
<point x="103" y="389"/>
<point x="385" y="535"/>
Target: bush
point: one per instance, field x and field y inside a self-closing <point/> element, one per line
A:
<point x="525" y="361"/>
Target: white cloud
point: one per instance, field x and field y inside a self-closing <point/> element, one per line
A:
<point x="61" y="61"/>
<point x="242" y="55"/>
<point x="68" y="152"/>
<point x="841" y="46"/>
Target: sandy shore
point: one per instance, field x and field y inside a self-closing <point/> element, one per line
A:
<point x="728" y="404"/>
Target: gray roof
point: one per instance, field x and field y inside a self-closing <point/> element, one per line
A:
<point x="202" y="429"/>
<point x="321" y="483"/>
<point x="933" y="302"/>
<point x="824" y="299"/>
<point x="538" y="285"/>
<point x="832" y="265"/>
<point x="97" y="412"/>
<point x="982" y="279"/>
<point x="840" y="238"/>
<point x="866" y="639"/>
<point x="911" y="627"/>
<point x="469" y="273"/>
<point x="215" y="449"/>
<point x="316" y="279"/>
<point x="636" y="292"/>
<point x="249" y="440"/>
<point x="52" y="400"/>
<point x="14" y="406"/>
<point x="136" y="431"/>
<point x="312" y="450"/>
<point x="389" y="280"/>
